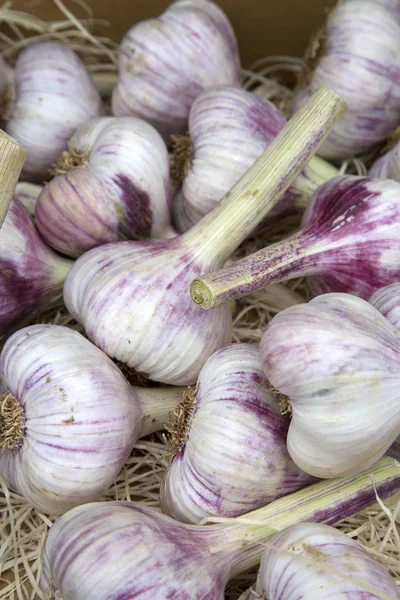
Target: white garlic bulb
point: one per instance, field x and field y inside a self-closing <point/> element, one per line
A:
<point x="113" y="183"/>
<point x="361" y="62"/>
<point x="54" y="93"/>
<point x="229" y="440"/>
<point x="165" y="63"/>
<point x="312" y="561"/>
<point x="229" y="128"/>
<point x="337" y="359"/>
<point x="27" y="194"/>
<point x="68" y="417"/>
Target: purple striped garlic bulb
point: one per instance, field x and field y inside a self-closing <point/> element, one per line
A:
<point x="388" y="165"/>
<point x="54" y="93"/>
<point x="124" y="550"/>
<point x="361" y="62"/>
<point x="113" y="183"/>
<point x="68" y="417"/>
<point x="348" y="242"/>
<point x="337" y="359"/>
<point x="229" y="128"/>
<point x="31" y="274"/>
<point x="319" y="562"/>
<point x="229" y="440"/>
<point x="165" y="63"/>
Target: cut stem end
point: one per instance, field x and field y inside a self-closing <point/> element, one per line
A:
<point x="179" y="421"/>
<point x="201" y="294"/>
<point x="12" y="423"/>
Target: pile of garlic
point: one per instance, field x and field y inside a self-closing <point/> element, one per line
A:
<point x="138" y="217"/>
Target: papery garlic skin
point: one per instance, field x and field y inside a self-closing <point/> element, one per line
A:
<point x="164" y="63"/>
<point x="168" y="338"/>
<point x="309" y="560"/>
<point x="54" y="94"/>
<point x="361" y="62"/>
<point x="122" y="190"/>
<point x="81" y="417"/>
<point x="388" y="165"/>
<point x="229" y="129"/>
<point x="155" y="556"/>
<point x="31" y="274"/>
<point x="234" y="458"/>
<point x="27" y="194"/>
<point x="338" y="361"/>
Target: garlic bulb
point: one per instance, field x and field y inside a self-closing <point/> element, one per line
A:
<point x="230" y="443"/>
<point x="27" y="194"/>
<point x="133" y="297"/>
<point x="31" y="274"/>
<point x="113" y="183"/>
<point x="54" y="94"/>
<point x="360" y="61"/>
<point x="387" y="301"/>
<point x="388" y="165"/>
<point x="125" y="550"/>
<point x="337" y="359"/>
<point x="349" y="242"/>
<point x="229" y="129"/>
<point x="164" y="63"/>
<point x="310" y="560"/>
<point x="68" y="417"/>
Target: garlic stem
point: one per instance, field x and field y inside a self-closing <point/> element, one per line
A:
<point x="284" y="260"/>
<point x="324" y="502"/>
<point x="12" y="158"/>
<point x="315" y="173"/>
<point x="157" y="404"/>
<point x="224" y="228"/>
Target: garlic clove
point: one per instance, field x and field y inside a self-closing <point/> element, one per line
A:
<point x="336" y="359"/>
<point x="68" y="417"/>
<point x="310" y="560"/>
<point x="229" y="129"/>
<point x="112" y="184"/>
<point x="229" y="440"/>
<point x="54" y="93"/>
<point x="157" y="81"/>
<point x="31" y="274"/>
<point x="359" y="59"/>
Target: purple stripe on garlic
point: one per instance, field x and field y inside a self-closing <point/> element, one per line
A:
<point x="54" y="94"/>
<point x="337" y="359"/>
<point x="157" y="81"/>
<point x="230" y="443"/>
<point x="122" y="550"/>
<point x="229" y="129"/>
<point x="319" y="562"/>
<point x="113" y="183"/>
<point x="349" y="242"/>
<point x="361" y="62"/>
<point x="31" y="274"/>
<point x="68" y="417"/>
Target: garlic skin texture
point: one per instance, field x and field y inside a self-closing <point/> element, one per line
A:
<point x="31" y="274"/>
<point x="157" y="557"/>
<point x="229" y="129"/>
<point x="309" y="560"/>
<point x="80" y="417"/>
<point x="387" y="301"/>
<point x="120" y="190"/>
<point x="54" y="94"/>
<point x="336" y="358"/>
<point x="165" y="63"/>
<point x="234" y="458"/>
<point x="27" y="194"/>
<point x="361" y="62"/>
<point x="133" y="300"/>
<point x="388" y="165"/>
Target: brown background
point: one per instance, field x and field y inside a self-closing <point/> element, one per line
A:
<point x="263" y="26"/>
